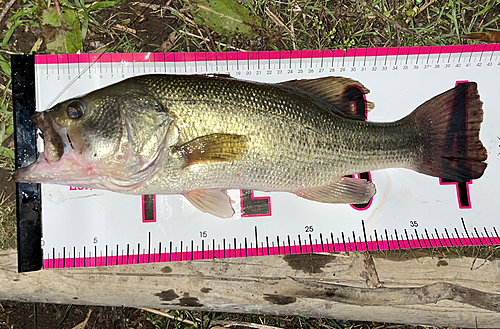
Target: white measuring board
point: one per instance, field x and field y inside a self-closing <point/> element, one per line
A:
<point x="410" y="210"/>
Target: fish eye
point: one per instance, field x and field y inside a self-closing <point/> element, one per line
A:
<point x="75" y="109"/>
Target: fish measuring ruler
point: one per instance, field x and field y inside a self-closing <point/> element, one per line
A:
<point x="83" y="228"/>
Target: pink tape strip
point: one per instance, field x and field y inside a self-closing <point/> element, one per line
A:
<point x="261" y="55"/>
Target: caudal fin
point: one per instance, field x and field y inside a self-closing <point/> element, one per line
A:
<point x="449" y="127"/>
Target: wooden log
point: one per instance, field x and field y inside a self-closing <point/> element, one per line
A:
<point x="462" y="292"/>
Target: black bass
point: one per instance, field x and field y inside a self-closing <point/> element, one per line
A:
<point x="202" y="135"/>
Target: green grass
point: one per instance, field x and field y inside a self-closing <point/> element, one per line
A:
<point x="286" y="25"/>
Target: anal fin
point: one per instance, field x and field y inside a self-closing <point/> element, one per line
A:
<point x="212" y="201"/>
<point x="346" y="190"/>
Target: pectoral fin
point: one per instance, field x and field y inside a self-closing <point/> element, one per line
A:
<point x="213" y="148"/>
<point x="213" y="201"/>
<point x="346" y="190"/>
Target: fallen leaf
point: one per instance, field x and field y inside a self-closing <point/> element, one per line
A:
<point x="226" y="17"/>
<point x="168" y="43"/>
<point x="490" y="36"/>
<point x="62" y="33"/>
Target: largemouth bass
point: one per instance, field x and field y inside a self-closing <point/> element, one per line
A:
<point x="202" y="135"/>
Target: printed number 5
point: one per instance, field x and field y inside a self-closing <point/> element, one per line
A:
<point x="309" y="229"/>
<point x="95" y="240"/>
<point x="413" y="223"/>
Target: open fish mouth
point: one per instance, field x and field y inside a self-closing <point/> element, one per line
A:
<point x="55" y="139"/>
<point x="58" y="156"/>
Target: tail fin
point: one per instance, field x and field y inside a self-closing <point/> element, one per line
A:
<point x="449" y="127"/>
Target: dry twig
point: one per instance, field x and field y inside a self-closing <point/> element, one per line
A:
<point x="6" y="9"/>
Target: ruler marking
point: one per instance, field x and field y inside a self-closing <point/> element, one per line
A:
<point x="343" y="241"/>
<point x="310" y="243"/>
<point x="159" y="252"/>
<point x="256" y="243"/>
<point x="235" y="246"/>
<point x="354" y="239"/>
<point x="246" y="248"/>
<point x="278" y="243"/>
<point x="418" y="55"/>
<point x="300" y="244"/>
<point x="488" y="236"/>
<point x="458" y="236"/>
<point x="267" y="244"/>
<point x="418" y="240"/>
<point x="387" y="239"/>
<point x="479" y="237"/>
<point x="149" y="246"/>
<point x="466" y="232"/>
<point x="322" y="245"/>
<point x="460" y="55"/>
<point x="437" y="235"/>
<point x="333" y="242"/>
<point x="376" y="239"/>
<point x="449" y="240"/>
<point x="481" y="55"/>
<point x="407" y="239"/>
<point x="289" y="245"/>
<point x="364" y="234"/>
<point x="492" y="52"/>
<point x="428" y="239"/>
<point x="397" y="239"/>
<point x="192" y="250"/>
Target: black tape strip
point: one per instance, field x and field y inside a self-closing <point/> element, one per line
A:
<point x="29" y="221"/>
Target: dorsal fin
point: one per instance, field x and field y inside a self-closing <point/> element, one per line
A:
<point x="346" y="94"/>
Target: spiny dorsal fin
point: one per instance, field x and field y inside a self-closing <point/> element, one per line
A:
<point x="346" y="94"/>
<point x="213" y="148"/>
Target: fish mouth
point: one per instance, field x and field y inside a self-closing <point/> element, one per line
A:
<point x="58" y="156"/>
<point x="55" y="138"/>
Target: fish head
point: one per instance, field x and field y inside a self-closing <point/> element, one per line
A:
<point x="110" y="139"/>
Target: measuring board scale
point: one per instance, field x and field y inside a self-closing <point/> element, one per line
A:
<point x="94" y="228"/>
